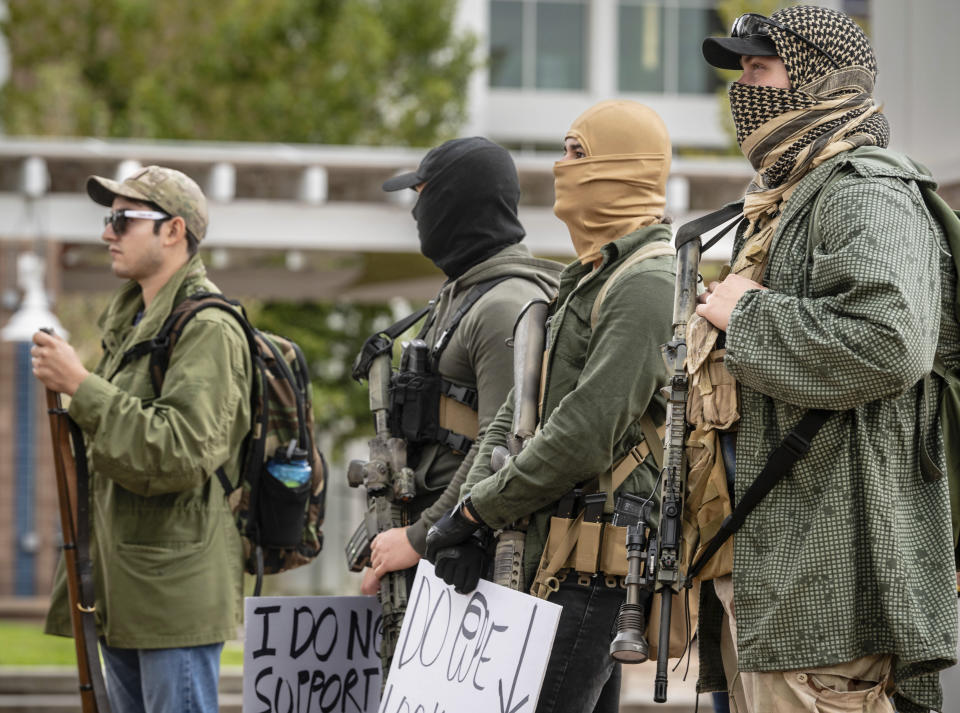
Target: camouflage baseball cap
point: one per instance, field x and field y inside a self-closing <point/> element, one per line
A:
<point x="175" y="192"/>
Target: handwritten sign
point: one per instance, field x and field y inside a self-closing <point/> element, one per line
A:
<point x="311" y="654"/>
<point x="483" y="652"/>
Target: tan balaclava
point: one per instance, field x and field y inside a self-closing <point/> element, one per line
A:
<point x="620" y="186"/>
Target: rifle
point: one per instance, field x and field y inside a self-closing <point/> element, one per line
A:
<point x="668" y="577"/>
<point x="73" y="481"/>
<point x="527" y="342"/>
<point x="656" y="562"/>
<point x="390" y="485"/>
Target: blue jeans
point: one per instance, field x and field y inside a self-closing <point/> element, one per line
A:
<point x="182" y="680"/>
<point x="581" y="677"/>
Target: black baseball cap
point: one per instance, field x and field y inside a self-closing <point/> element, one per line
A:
<point x="725" y="52"/>
<point x="435" y="161"/>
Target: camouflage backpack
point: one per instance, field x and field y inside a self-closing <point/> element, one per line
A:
<point x="279" y="523"/>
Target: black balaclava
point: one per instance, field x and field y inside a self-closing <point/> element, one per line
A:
<point x="467" y="212"/>
<point x="813" y="79"/>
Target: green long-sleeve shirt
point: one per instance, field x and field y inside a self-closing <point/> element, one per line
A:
<point x="599" y="382"/>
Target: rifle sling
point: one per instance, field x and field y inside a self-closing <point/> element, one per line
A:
<point x="478" y="291"/>
<point x="793" y="447"/>
<point x="84" y="565"/>
<point x="694" y="229"/>
<point x="382" y="342"/>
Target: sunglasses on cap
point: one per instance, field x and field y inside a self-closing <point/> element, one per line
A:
<point x="118" y="218"/>
<point x="753" y="23"/>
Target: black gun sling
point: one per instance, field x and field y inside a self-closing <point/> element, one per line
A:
<point x="382" y="342"/>
<point x="793" y="447"/>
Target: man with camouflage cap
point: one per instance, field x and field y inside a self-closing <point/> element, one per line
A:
<point x="165" y="549"/>
<point x="842" y="584"/>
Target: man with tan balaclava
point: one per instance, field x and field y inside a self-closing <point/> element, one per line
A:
<point x="839" y="589"/>
<point x="599" y="401"/>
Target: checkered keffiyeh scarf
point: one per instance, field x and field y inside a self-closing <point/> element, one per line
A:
<point x="786" y="132"/>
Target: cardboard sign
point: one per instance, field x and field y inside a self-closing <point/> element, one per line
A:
<point x="311" y="654"/>
<point x="483" y="652"/>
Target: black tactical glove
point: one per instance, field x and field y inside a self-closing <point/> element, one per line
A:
<point x="463" y="564"/>
<point x="452" y="529"/>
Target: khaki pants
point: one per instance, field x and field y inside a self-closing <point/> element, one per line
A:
<point x="852" y="686"/>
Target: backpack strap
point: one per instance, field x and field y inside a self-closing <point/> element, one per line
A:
<point x="161" y="346"/>
<point x="650" y="446"/>
<point x="657" y="248"/>
<point x="652" y="442"/>
<point x="814" y="238"/>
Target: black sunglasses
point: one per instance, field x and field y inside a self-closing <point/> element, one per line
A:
<point x="118" y="219"/>
<point x="755" y="24"/>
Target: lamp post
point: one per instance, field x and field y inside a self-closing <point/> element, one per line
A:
<point x="33" y="313"/>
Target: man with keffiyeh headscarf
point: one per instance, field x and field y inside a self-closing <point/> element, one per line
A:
<point x="842" y="584"/>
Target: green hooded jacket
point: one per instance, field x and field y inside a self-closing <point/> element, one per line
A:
<point x="599" y="382"/>
<point x="165" y="547"/>
<point x="477" y="357"/>
<point x="851" y="554"/>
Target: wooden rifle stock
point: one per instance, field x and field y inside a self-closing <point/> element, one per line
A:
<point x="73" y="497"/>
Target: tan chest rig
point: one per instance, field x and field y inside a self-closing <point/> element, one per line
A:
<point x="713" y="408"/>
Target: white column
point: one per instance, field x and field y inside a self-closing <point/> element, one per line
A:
<point x="602" y="49"/>
<point x="473" y="16"/>
<point x="34" y="177"/>
<point x="125" y="169"/>
<point x="222" y="182"/>
<point x="314" y="182"/>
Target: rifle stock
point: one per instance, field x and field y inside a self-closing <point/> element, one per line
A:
<point x="72" y="493"/>
<point x="669" y="578"/>
<point x="529" y="335"/>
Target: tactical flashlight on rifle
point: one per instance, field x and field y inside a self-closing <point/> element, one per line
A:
<point x="630" y="644"/>
<point x="658" y="561"/>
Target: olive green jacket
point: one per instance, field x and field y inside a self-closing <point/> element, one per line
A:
<point x="598" y="383"/>
<point x="477" y="357"/>
<point x="165" y="547"/>
<point x="851" y="554"/>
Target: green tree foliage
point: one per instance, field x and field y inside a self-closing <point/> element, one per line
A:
<point x="320" y="71"/>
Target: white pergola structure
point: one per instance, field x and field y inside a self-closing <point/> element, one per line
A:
<point x="295" y="202"/>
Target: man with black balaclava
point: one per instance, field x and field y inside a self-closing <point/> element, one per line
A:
<point x="466" y="215"/>
<point x="840" y="585"/>
<point x="600" y="404"/>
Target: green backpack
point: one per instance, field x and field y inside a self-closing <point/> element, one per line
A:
<point x="941" y="405"/>
<point x="279" y="522"/>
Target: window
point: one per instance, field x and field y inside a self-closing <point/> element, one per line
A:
<point x="538" y="43"/>
<point x="659" y="46"/>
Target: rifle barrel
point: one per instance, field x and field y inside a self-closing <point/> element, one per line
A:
<point x="92" y="688"/>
